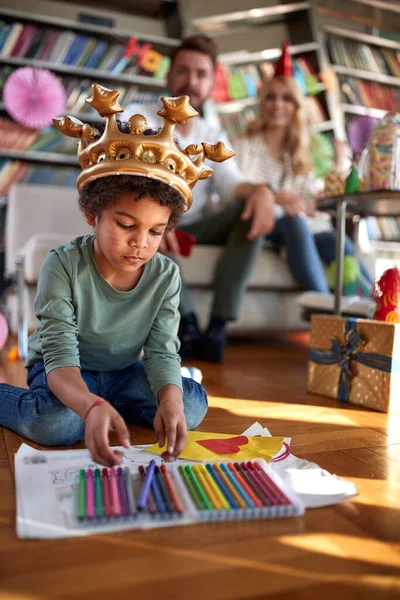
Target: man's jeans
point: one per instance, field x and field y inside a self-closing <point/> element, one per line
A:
<point x="37" y="413"/>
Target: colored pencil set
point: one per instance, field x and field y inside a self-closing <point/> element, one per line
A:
<point x="188" y="493"/>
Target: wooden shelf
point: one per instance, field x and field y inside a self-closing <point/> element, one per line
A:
<point x="369" y="75"/>
<point x="385" y="246"/>
<point x="355" y="109"/>
<point x="87" y="27"/>
<point x="362" y="37"/>
<point x="96" y="74"/>
<point x="389" y="5"/>
<point x="321" y="127"/>
<point x="255" y="16"/>
<point x="85" y="117"/>
<point x="269" y="54"/>
<point x="54" y="158"/>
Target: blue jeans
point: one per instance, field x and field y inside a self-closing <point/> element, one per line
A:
<point x="307" y="252"/>
<point x="39" y="415"/>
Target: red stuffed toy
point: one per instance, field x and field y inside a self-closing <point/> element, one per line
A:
<point x="387" y="296"/>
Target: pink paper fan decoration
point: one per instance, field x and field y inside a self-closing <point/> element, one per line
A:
<point x="33" y="97"/>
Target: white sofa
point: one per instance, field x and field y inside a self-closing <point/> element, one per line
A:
<point x="40" y="217"/>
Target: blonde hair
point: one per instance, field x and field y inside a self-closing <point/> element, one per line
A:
<point x="297" y="142"/>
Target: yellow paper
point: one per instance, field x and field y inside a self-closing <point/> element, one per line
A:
<point x="257" y="447"/>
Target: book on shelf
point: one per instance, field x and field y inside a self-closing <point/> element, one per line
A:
<point x="16" y="171"/>
<point x="11" y="172"/>
<point x="383" y="228"/>
<point x="25" y="40"/>
<point x="243" y="81"/>
<point x="10" y="39"/>
<point x="370" y="94"/>
<point x="77" y="90"/>
<point x="43" y="43"/>
<point x="16" y="137"/>
<point x="357" y="55"/>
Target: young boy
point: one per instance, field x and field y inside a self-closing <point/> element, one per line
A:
<point x="103" y="300"/>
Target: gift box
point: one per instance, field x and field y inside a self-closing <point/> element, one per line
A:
<point x="355" y="360"/>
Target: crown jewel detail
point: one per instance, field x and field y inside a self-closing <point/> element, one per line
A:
<point x="156" y="156"/>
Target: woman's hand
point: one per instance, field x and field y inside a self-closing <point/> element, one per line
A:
<point x="170" y="422"/>
<point x="292" y="202"/>
<point x="102" y="419"/>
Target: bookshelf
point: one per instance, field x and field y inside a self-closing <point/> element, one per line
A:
<point x="79" y="54"/>
<point x="300" y="29"/>
<point x="367" y="67"/>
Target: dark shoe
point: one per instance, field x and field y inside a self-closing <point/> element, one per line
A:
<point x="212" y="346"/>
<point x="189" y="335"/>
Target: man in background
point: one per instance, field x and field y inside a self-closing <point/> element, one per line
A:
<point x="247" y="213"/>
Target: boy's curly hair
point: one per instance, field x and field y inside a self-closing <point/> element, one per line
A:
<point x="103" y="192"/>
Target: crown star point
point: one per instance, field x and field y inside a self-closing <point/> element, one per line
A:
<point x="218" y="152"/>
<point x="177" y="109"/>
<point x="69" y="126"/>
<point x="103" y="100"/>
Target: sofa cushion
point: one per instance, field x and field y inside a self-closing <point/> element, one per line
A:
<point x="36" y="249"/>
<point x="271" y="270"/>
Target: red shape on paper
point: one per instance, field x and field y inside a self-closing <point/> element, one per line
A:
<point x="227" y="446"/>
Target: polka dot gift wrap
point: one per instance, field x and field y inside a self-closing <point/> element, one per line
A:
<point x="356" y="361"/>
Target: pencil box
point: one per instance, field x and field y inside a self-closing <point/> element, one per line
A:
<point x="180" y="494"/>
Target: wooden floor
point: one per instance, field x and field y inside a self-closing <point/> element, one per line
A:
<point x="351" y="550"/>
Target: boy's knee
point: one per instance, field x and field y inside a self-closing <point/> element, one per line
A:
<point x="195" y="403"/>
<point x="60" y="427"/>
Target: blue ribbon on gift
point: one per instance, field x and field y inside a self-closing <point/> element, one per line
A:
<point x="343" y="354"/>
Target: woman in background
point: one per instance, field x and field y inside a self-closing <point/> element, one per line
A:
<point x="276" y="149"/>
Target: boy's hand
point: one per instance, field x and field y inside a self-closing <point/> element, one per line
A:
<point x="100" y="421"/>
<point x="170" y="422"/>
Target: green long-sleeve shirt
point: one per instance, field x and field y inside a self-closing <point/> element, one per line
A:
<point x="84" y="322"/>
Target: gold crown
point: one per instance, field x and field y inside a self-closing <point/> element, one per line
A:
<point x="156" y="156"/>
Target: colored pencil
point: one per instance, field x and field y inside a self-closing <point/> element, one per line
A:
<point x="151" y="505"/>
<point x="236" y="471"/>
<point x="278" y="492"/>
<point x="253" y="483"/>
<point x="144" y="491"/>
<point x="82" y="494"/>
<point x="222" y="486"/>
<point x="158" y="496"/>
<point x="238" y="487"/>
<point x="106" y="493"/>
<point x="241" y="503"/>
<point x="90" y="511"/>
<point x="129" y="489"/>
<point x="213" y="498"/>
<point x="224" y="504"/>
<point x="171" y="488"/>
<point x="115" y="501"/>
<point x="98" y="494"/>
<point x="199" y="489"/>
<point x="164" y="491"/>
<point x="192" y="490"/>
<point x="123" y="494"/>
<point x="261" y="484"/>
